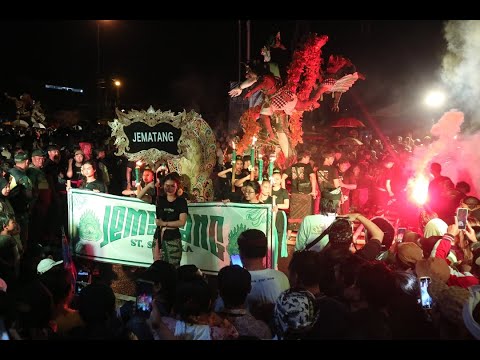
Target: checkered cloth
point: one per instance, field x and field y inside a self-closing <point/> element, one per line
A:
<point x="282" y="98"/>
<point x="329" y="81"/>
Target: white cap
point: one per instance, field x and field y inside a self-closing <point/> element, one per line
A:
<point x="46" y="264"/>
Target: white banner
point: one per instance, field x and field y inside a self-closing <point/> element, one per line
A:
<point x="120" y="230"/>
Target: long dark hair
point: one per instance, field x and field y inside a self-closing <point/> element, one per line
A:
<point x="254" y="185"/>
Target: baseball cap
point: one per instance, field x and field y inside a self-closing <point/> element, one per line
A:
<point x="37" y="152"/>
<point x="21" y="156"/>
<point x="46" y="264"/>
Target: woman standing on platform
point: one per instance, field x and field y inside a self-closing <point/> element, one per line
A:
<point x="90" y="182"/>
<point x="172" y="212"/>
<point x="251" y="192"/>
<point x="281" y="203"/>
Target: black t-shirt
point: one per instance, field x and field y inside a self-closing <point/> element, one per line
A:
<point x="52" y="171"/>
<point x="242" y="174"/>
<point x="170" y="211"/>
<point x="325" y="177"/>
<point x="281" y="195"/>
<point x="77" y="172"/>
<point x="299" y="174"/>
<point x="95" y="185"/>
<point x="370" y="251"/>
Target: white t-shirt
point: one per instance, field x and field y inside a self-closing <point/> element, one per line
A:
<point x="312" y="227"/>
<point x="267" y="285"/>
<point x="192" y="331"/>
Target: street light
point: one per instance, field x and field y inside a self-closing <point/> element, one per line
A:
<point x="101" y="88"/>
<point x="117" y="84"/>
<point x="435" y="99"/>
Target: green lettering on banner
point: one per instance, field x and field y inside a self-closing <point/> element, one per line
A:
<point x="200" y="231"/>
<point x="106" y="226"/>
<point x="151" y="226"/>
<point x="136" y="223"/>
<point x="116" y="223"/>
<point x="215" y="236"/>
<point x="212" y="240"/>
<point x="187" y="233"/>
<point x="117" y="226"/>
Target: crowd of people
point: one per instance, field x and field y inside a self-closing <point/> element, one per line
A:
<point x="331" y="288"/>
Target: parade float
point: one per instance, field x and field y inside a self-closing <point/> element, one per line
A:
<point x="276" y="122"/>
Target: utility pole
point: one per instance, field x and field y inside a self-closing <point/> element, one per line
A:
<point x="101" y="88"/>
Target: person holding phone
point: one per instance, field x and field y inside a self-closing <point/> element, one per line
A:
<point x="83" y="280"/>
<point x="400" y="234"/>
<point x="425" y="298"/>
<point x="144" y="297"/>
<point x="462" y="218"/>
<point x="58" y="280"/>
<point x="454" y="247"/>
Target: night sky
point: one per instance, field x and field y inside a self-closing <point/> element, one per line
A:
<point x="173" y="64"/>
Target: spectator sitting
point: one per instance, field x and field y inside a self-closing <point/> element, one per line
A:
<point x="96" y="305"/>
<point x="234" y="284"/>
<point x="164" y="278"/>
<point x="193" y="319"/>
<point x="267" y="284"/>
<point x="60" y="283"/>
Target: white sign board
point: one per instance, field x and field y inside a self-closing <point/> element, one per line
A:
<point x="120" y="230"/>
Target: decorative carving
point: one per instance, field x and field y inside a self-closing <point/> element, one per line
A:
<point x="196" y="146"/>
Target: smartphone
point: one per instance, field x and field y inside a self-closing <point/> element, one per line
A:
<point x="462" y="214"/>
<point x="425" y="298"/>
<point x="235" y="260"/>
<point x="3" y="331"/>
<point x="143" y="304"/>
<point x="400" y="234"/>
<point x="84" y="278"/>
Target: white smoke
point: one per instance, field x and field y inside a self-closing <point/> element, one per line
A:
<point x="457" y="153"/>
<point x="461" y="64"/>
